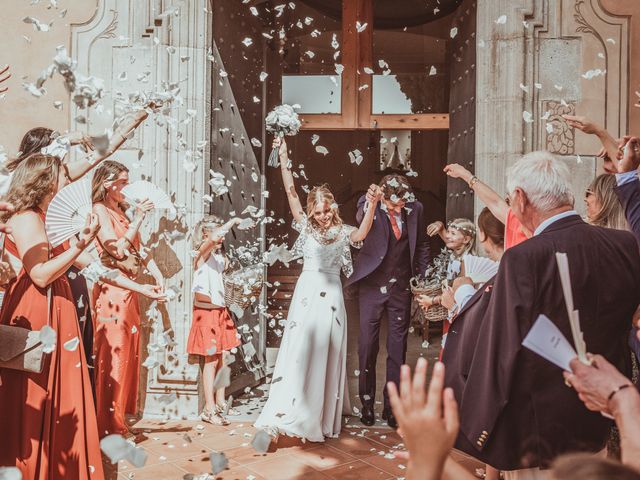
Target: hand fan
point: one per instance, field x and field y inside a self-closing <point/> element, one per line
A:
<point x="479" y="269"/>
<point x="138" y="191"/>
<point x="67" y="212"/>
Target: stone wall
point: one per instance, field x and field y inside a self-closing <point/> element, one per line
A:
<point x="543" y="57"/>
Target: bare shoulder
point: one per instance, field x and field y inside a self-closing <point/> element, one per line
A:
<point x="25" y="219"/>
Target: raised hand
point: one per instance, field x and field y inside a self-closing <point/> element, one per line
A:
<point x="429" y="422"/>
<point x="455" y="170"/>
<point x="142" y="207"/>
<point x="4" y="76"/>
<point x="447" y="299"/>
<point x="582" y="123"/>
<point x="607" y="163"/>
<point x="435" y="228"/>
<point x="630" y="159"/>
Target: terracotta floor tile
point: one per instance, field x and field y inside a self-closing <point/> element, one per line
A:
<point x="174" y="450"/>
<point x="323" y="457"/>
<point x="355" y="445"/>
<point x="155" y="472"/>
<point x="199" y="464"/>
<point x="247" y="455"/>
<point x="392" y="466"/>
<point x="356" y="471"/>
<point x="285" y="467"/>
<point x="389" y="438"/>
<point x="223" y="441"/>
<point x="238" y="473"/>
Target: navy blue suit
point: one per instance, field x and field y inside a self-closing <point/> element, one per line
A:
<point x="629" y="196"/>
<point x="383" y="269"/>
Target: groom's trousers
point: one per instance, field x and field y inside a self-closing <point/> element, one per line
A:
<point x="394" y="302"/>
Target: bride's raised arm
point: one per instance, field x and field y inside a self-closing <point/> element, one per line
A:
<point x="287" y="179"/>
<point x="359" y="234"/>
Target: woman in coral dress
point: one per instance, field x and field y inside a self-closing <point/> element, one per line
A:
<point x="47" y="421"/>
<point x="116" y="313"/>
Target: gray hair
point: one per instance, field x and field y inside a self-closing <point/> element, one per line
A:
<point x="543" y="178"/>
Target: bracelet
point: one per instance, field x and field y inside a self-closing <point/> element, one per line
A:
<point x="616" y="390"/>
<point x="473" y="181"/>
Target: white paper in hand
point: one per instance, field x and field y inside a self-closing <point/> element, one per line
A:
<point x="547" y="340"/>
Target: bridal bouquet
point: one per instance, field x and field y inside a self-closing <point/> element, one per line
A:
<point x="281" y="121"/>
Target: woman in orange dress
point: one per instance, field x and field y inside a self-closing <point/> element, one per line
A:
<point x="116" y="313"/>
<point x="48" y="424"/>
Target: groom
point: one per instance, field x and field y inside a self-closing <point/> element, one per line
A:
<point x="395" y="249"/>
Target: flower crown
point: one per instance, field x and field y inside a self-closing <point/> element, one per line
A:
<point x="469" y="231"/>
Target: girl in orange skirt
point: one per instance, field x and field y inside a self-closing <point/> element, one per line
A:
<point x="212" y="331"/>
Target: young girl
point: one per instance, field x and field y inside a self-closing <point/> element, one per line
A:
<point x="459" y="239"/>
<point x="212" y="332"/>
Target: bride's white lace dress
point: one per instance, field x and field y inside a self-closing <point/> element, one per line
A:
<point x="308" y="391"/>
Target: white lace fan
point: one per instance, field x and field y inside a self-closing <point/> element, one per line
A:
<point x="67" y="212"/>
<point x="138" y="191"/>
<point x="479" y="269"/>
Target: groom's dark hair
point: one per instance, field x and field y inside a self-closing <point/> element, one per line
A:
<point x="395" y="184"/>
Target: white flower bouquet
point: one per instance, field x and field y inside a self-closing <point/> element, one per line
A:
<point x="281" y="121"/>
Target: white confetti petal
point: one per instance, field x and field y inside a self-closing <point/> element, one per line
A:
<point x="453" y="32"/>
<point x="116" y="448"/>
<point x="247" y="42"/>
<point x="433" y="71"/>
<point x="218" y="462"/>
<point x="48" y="339"/>
<point x="322" y="150"/>
<point x="527" y="117"/>
<point x="501" y="20"/>
<point x="72" y="345"/>
<point x="255" y="142"/>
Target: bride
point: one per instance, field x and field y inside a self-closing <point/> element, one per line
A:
<point x="308" y="391"/>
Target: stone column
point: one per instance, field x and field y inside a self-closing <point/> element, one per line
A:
<point x="134" y="46"/>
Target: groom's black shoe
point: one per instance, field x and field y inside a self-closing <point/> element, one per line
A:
<point x="367" y="416"/>
<point x="387" y="414"/>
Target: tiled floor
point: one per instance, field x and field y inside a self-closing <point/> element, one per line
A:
<point x="180" y="450"/>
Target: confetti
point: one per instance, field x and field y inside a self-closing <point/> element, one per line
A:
<point x="263" y="76"/>
<point x="453" y="32"/>
<point x="360" y="27"/>
<point x="589" y="74"/>
<point x="48" y="339"/>
<point x="256" y="143"/>
<point x="218" y="462"/>
<point x="433" y="71"/>
<point x="37" y="25"/>
<point x="527" y="117"/>
<point x="10" y="473"/>
<point x="247" y="42"/>
<point x="501" y="20"/>
<point x="355" y="156"/>
<point x="72" y="345"/>
<point x="261" y="441"/>
<point x="322" y="150"/>
<point x="116" y="448"/>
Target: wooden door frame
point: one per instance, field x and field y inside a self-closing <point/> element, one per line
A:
<point x="356" y="103"/>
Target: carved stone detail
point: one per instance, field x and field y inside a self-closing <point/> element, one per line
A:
<point x="110" y="31"/>
<point x="562" y="140"/>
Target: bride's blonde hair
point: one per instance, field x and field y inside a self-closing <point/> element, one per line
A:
<point x="320" y="195"/>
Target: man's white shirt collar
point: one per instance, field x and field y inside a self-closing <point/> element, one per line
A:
<point x="543" y="226"/>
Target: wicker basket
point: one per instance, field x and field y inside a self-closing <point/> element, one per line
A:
<point x="436" y="313"/>
<point x="238" y="291"/>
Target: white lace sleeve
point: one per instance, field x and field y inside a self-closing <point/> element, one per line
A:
<point x="348" y="230"/>
<point x="299" y="226"/>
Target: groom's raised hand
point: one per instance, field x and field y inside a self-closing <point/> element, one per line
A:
<point x="373" y="194"/>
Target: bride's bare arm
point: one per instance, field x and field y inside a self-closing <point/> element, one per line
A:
<point x="287" y="179"/>
<point x="361" y="233"/>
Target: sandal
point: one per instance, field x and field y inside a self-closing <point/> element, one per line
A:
<point x="214" y="418"/>
<point x="226" y="409"/>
